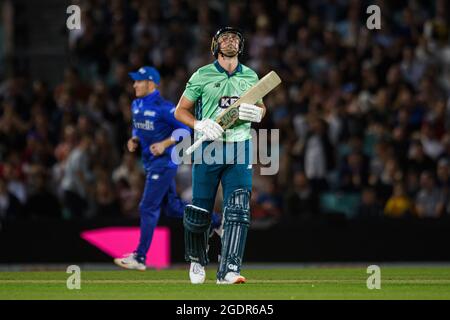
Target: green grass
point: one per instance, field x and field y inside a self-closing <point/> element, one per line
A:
<point x="271" y="284"/>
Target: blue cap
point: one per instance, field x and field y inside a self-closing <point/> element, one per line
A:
<point x="146" y="73"/>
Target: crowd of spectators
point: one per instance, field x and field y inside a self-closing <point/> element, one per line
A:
<point x="360" y="112"/>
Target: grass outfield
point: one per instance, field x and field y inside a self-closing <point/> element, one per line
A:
<point x="271" y="284"/>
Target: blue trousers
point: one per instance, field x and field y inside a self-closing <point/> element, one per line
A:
<point x="159" y="192"/>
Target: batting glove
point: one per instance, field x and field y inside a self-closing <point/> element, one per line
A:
<point x="211" y="129"/>
<point x="250" y="112"/>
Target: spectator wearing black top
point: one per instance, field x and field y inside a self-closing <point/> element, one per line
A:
<point x="10" y="207"/>
<point x="301" y="201"/>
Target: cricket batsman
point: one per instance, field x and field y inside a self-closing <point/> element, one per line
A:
<point x="153" y="123"/>
<point x="211" y="89"/>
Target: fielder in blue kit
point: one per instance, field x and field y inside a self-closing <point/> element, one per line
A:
<point x="153" y="123"/>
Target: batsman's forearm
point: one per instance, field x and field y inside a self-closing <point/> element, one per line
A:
<point x="185" y="116"/>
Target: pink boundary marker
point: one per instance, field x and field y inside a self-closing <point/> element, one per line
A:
<point x="117" y="241"/>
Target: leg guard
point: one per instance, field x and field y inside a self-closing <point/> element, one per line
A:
<point x="237" y="222"/>
<point x="196" y="223"/>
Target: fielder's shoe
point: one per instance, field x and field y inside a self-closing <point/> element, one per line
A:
<point x="129" y="261"/>
<point x="232" y="278"/>
<point x="197" y="273"/>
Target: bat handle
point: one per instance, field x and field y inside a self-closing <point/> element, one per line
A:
<point x="195" y="145"/>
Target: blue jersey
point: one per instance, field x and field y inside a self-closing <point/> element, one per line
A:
<point x="154" y="121"/>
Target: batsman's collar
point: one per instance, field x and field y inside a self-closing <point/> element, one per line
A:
<point x="220" y="69"/>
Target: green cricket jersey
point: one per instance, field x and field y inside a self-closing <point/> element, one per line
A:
<point x="213" y="90"/>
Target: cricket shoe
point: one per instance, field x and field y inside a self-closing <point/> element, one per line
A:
<point x="197" y="273"/>
<point x="232" y="278"/>
<point x="129" y="261"/>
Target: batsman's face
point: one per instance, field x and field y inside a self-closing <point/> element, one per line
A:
<point x="229" y="43"/>
<point x="142" y="88"/>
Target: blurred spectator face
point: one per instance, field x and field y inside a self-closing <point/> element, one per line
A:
<point x="394" y="75"/>
<point x="408" y="54"/>
<point x="295" y="14"/>
<point x="408" y="17"/>
<point x="262" y="23"/>
<point x="69" y="141"/>
<point x="235" y="13"/>
<point x="381" y="98"/>
<point x="380" y="149"/>
<point x="403" y="117"/>
<point x="300" y="180"/>
<point x="39" y="88"/>
<point x="427" y="130"/>
<point x="303" y="35"/>
<point x="356" y="144"/>
<point x="8" y="171"/>
<point x="41" y="122"/>
<point x="120" y="73"/>
<point x="170" y="57"/>
<point x="416" y="150"/>
<point x="32" y="142"/>
<point x="412" y="180"/>
<point x="391" y="172"/>
<point x="143" y="87"/>
<point x="136" y="59"/>
<point x="101" y="89"/>
<point x="3" y="188"/>
<point x="95" y="102"/>
<point x="314" y="23"/>
<point x="103" y="192"/>
<point x="144" y="17"/>
<point x="145" y="40"/>
<point x="398" y="134"/>
<point x="445" y="140"/>
<point x="399" y="190"/>
<point x="84" y="124"/>
<point x="426" y="181"/>
<point x="368" y="197"/>
<point x="443" y="170"/>
<point x="70" y="77"/>
<point x="64" y="100"/>
<point x="334" y="77"/>
<point x="40" y="181"/>
<point x="316" y="125"/>
<point x="8" y="110"/>
<point x="101" y="138"/>
<point x="441" y="9"/>
<point x="70" y="134"/>
<point x="405" y="98"/>
<point x="354" y="160"/>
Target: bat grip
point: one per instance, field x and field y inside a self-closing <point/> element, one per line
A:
<point x="195" y="145"/>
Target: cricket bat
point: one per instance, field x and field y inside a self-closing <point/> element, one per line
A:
<point x="230" y="115"/>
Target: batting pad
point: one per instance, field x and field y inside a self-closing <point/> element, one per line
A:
<point x="196" y="223"/>
<point x="237" y="222"/>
